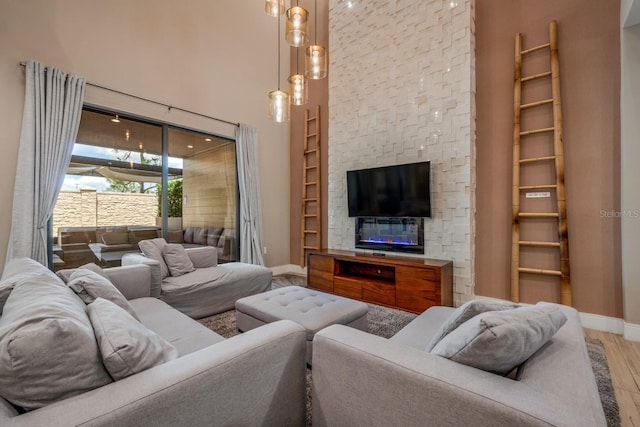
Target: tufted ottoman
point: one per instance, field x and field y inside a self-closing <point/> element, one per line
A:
<point x="314" y="310"/>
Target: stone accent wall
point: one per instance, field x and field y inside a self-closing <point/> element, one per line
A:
<point x="88" y="207"/>
<point x="401" y="90"/>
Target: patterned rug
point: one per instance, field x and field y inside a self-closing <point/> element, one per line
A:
<point x="385" y="322"/>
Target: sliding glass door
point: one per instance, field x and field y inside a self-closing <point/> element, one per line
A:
<point x="132" y="179"/>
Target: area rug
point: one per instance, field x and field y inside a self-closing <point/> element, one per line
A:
<point x="385" y="322"/>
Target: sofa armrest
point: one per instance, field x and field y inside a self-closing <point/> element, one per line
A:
<point x="156" y="274"/>
<point x="133" y="281"/>
<point x="360" y="378"/>
<point x="257" y="378"/>
<point x="204" y="256"/>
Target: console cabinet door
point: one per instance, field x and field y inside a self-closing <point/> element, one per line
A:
<point x="417" y="288"/>
<point x="320" y="272"/>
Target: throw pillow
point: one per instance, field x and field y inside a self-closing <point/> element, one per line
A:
<point x="175" y="236"/>
<point x="200" y="236"/>
<point x="499" y="341"/>
<point x="126" y="345"/>
<point x="89" y="286"/>
<point x="17" y="270"/>
<point x="177" y="259"/>
<point x="48" y="351"/>
<point x="66" y="273"/>
<point x="465" y="312"/>
<point x="152" y="248"/>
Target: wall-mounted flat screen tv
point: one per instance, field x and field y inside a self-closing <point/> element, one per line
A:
<point x="390" y="191"/>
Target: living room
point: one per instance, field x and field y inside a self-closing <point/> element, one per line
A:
<point x="221" y="60"/>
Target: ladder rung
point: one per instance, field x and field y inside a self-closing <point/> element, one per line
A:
<point x="309" y="135"/>
<point x="311" y="151"/>
<point x="310" y="215"/>
<point x="537" y="103"/>
<point x="533" y="49"/>
<point x="538" y="159"/>
<point x="310" y="231"/>
<point x="529" y="132"/>
<point x="311" y="167"/>
<point x="535" y="76"/>
<point x="543" y="244"/>
<point x="540" y="271"/>
<point x="311" y="183"/>
<point x="310" y="247"/>
<point x="538" y="187"/>
<point x="310" y="199"/>
<point x="538" y="215"/>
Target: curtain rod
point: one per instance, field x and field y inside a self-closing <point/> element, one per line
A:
<point x="170" y="107"/>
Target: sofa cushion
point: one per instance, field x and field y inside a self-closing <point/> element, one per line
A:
<point x="499" y="341"/>
<point x="177" y="259"/>
<point x="465" y="312"/>
<point x="115" y="238"/>
<point x="213" y="235"/>
<point x="48" y="351"/>
<point x="126" y="345"/>
<point x="175" y="236"/>
<point x="188" y="235"/>
<point x="200" y="236"/>
<point x="152" y="248"/>
<point x="16" y="270"/>
<point x="65" y="274"/>
<point x="89" y="286"/>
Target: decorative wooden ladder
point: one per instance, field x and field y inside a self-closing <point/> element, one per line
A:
<point x="560" y="215"/>
<point x="311" y="230"/>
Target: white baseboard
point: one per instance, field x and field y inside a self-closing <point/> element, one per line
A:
<point x="602" y="323"/>
<point x="289" y="268"/>
<point x="631" y="332"/>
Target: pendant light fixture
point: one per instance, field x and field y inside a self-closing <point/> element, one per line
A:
<point x="316" y="55"/>
<point x="279" y="104"/>
<point x="274" y="8"/>
<point x="296" y="29"/>
<point x="298" y="87"/>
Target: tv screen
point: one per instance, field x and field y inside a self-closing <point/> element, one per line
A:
<point x="391" y="191"/>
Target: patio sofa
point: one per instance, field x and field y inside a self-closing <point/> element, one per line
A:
<point x="257" y="378"/>
<point x="363" y="379"/>
<point x="81" y="245"/>
<point x="209" y="288"/>
<point x="223" y="239"/>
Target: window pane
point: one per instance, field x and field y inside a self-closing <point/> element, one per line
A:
<point x="209" y="187"/>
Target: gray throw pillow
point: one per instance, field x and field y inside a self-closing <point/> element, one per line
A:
<point x="48" y="351"/>
<point x="499" y="341"/>
<point x="465" y="312"/>
<point x="126" y="345"/>
<point x="152" y="248"/>
<point x="17" y="270"/>
<point x="67" y="272"/>
<point x="177" y="259"/>
<point x="89" y="286"/>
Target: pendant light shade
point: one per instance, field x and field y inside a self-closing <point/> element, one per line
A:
<point x="279" y="106"/>
<point x="274" y="7"/>
<point x="298" y="89"/>
<point x="316" y="62"/>
<point x="296" y="30"/>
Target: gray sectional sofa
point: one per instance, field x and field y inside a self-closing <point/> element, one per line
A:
<point x="257" y="378"/>
<point x="361" y="379"/>
<point x="209" y="289"/>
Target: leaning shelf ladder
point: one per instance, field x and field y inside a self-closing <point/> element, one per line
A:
<point x="311" y="219"/>
<point x="561" y="245"/>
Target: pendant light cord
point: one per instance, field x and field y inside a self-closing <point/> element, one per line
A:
<point x="315" y="25"/>
<point x="278" y="52"/>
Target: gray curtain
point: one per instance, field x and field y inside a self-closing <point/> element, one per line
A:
<point x="250" y="213"/>
<point x="52" y="110"/>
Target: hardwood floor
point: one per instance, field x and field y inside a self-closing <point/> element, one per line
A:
<point x="623" y="357"/>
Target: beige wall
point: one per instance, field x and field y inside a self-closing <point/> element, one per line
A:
<point x="589" y="34"/>
<point x="215" y="57"/>
<point x="87" y="207"/>
<point x="209" y="189"/>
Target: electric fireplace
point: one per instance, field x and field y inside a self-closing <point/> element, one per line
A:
<point x="394" y="234"/>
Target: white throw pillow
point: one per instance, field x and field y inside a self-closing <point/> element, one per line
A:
<point x="499" y="341"/>
<point x="465" y="312"/>
<point x="90" y="285"/>
<point x="126" y="345"/>
<point x="152" y="248"/>
<point x="177" y="259"/>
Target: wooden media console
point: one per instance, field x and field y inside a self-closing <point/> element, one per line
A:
<point x="408" y="283"/>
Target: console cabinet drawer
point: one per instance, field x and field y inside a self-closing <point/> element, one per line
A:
<point x="347" y="287"/>
<point x="320" y="272"/>
<point x="417" y="288"/>
<point x="383" y="293"/>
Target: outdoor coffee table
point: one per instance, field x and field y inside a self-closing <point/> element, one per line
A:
<point x="313" y="310"/>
